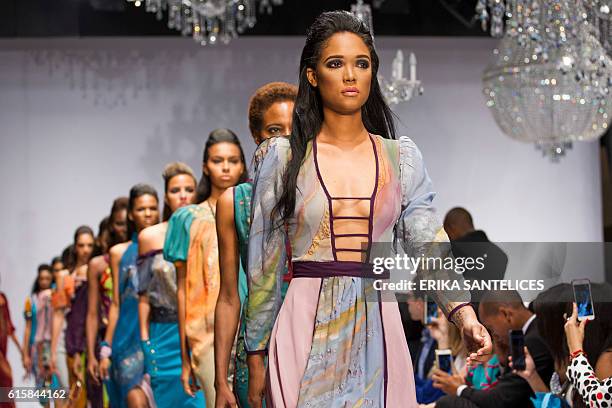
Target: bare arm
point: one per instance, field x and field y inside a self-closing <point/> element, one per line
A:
<point x="56" y="329"/>
<point x="227" y="311"/>
<point x="17" y="344"/>
<point x="57" y="323"/>
<point x="143" y="316"/>
<point x="115" y="253"/>
<point x="27" y="362"/>
<point x="26" y="338"/>
<point x="181" y="276"/>
<point x="96" y="267"/>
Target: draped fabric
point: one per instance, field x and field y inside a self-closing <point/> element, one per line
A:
<point x="331" y="341"/>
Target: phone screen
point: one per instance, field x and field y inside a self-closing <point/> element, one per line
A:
<point x="445" y="362"/>
<point x="582" y="292"/>
<point x="432" y="311"/>
<point x="517" y="344"/>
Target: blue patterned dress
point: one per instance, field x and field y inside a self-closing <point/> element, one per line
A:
<point x="127" y="367"/>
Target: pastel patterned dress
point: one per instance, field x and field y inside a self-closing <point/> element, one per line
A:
<point x="192" y="238"/>
<point x="332" y="342"/>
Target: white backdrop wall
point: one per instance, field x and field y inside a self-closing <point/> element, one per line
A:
<point x="83" y="120"/>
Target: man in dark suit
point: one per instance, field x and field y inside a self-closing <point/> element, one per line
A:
<point x="467" y="242"/>
<point x="500" y="312"/>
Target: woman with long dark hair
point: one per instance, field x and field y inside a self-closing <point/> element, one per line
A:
<point x="124" y="379"/>
<point x="157" y="300"/>
<point x="38" y="314"/>
<point x="100" y="293"/>
<point x="589" y="367"/>
<point x="339" y="184"/>
<point x="70" y="307"/>
<point x="574" y="382"/>
<point x="270" y="115"/>
<point x="191" y="243"/>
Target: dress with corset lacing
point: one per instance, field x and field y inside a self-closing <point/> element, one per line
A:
<point x="332" y="342"/>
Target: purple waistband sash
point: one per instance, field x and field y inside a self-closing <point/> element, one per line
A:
<point x="310" y="269"/>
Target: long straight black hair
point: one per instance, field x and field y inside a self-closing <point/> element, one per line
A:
<point x="308" y="111"/>
<point x="221" y="135"/>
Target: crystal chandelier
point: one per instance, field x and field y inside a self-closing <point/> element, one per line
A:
<point x="209" y="21"/>
<point x="599" y="14"/>
<point x="399" y="88"/>
<point x="549" y="83"/>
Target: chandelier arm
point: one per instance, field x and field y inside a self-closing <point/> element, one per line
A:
<point x="467" y="23"/>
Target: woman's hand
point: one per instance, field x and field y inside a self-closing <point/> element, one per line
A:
<point x="574" y="331"/>
<point x="475" y="336"/>
<point x="257" y="380"/>
<point x="447" y="382"/>
<point x="77" y="367"/>
<point x="188" y="379"/>
<point x="225" y="398"/>
<point x="438" y="328"/>
<point x="27" y="363"/>
<point x="93" y="369"/>
<point x="52" y="363"/>
<point x="530" y="368"/>
<point x="105" y="364"/>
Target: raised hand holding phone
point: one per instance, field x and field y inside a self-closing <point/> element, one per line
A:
<point x="574" y="331"/>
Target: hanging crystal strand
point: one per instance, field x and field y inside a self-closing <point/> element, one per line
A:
<point x="250" y="14"/>
<point x="497" y="18"/>
<point x="364" y="13"/>
<point x="214" y="29"/>
<point x="482" y="13"/>
<point x="265" y="7"/>
<point x="229" y="25"/>
<point x="152" y="6"/>
<point x="513" y="21"/>
<point x="174" y="14"/>
<point x="606" y="30"/>
<point x="197" y="27"/>
<point x="187" y="20"/>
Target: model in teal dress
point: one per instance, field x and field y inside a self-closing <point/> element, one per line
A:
<point x="270" y="115"/>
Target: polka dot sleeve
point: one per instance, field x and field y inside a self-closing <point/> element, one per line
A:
<point x="594" y="392"/>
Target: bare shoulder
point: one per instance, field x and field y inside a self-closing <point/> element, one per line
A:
<point x="117" y="251"/>
<point x="227" y="198"/>
<point x="150" y="233"/>
<point x="149" y="238"/>
<point x="97" y="263"/>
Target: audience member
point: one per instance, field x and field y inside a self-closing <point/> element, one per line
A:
<point x="467" y="242"/>
<point x="502" y="311"/>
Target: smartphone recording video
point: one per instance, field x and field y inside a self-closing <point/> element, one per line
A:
<point x="583" y="299"/>
<point x="444" y="360"/>
<point x="517" y="349"/>
<point x="431" y="310"/>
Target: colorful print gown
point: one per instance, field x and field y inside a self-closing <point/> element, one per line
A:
<point x="192" y="238"/>
<point x="327" y="345"/>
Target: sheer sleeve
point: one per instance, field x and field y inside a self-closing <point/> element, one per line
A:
<point x="267" y="253"/>
<point x="419" y="231"/>
<point x="144" y="268"/>
<point x="595" y="392"/>
<point x="176" y="244"/>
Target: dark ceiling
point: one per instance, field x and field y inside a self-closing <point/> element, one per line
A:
<point x="83" y="18"/>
